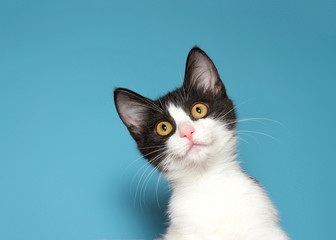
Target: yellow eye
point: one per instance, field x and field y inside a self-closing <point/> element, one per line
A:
<point x="163" y="128"/>
<point x="199" y="110"/>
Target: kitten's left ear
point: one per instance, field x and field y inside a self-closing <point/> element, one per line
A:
<point x="132" y="109"/>
<point x="202" y="74"/>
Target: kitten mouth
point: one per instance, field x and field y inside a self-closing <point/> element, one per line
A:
<point x="194" y="148"/>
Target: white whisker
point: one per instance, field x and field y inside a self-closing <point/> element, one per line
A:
<point x="244" y="140"/>
<point x="156" y="190"/>
<point x="256" y="120"/>
<point x="261" y="133"/>
<point x="143" y="156"/>
<point x="145" y="184"/>
<point x="254" y="138"/>
<point x="162" y="145"/>
<point x="148" y="164"/>
<point x="235" y="107"/>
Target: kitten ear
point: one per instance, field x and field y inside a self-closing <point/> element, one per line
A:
<point x="132" y="109"/>
<point x="202" y="74"/>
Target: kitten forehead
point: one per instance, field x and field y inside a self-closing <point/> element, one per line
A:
<point x="178" y="114"/>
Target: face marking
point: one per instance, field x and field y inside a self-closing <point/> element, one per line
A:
<point x="188" y="141"/>
<point x="178" y="114"/>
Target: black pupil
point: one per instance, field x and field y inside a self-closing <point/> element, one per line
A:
<point x="198" y="109"/>
<point x="164" y="127"/>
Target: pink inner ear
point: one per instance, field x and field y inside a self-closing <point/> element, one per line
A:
<point x="132" y="113"/>
<point x="204" y="75"/>
<point x="206" y="80"/>
<point x="131" y="110"/>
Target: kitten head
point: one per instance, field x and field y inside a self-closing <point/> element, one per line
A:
<point x="188" y="127"/>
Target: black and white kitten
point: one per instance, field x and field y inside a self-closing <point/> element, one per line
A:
<point x="190" y="136"/>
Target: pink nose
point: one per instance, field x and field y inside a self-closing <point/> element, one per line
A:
<point x="187" y="131"/>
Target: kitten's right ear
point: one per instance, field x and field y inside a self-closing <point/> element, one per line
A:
<point x="202" y="74"/>
<point x="132" y="109"/>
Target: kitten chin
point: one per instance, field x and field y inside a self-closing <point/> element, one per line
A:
<point x="190" y="136"/>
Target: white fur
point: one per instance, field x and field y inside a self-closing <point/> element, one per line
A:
<point x="213" y="199"/>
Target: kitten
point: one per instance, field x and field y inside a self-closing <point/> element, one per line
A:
<point x="189" y="135"/>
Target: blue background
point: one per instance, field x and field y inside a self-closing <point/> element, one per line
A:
<point x="65" y="156"/>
